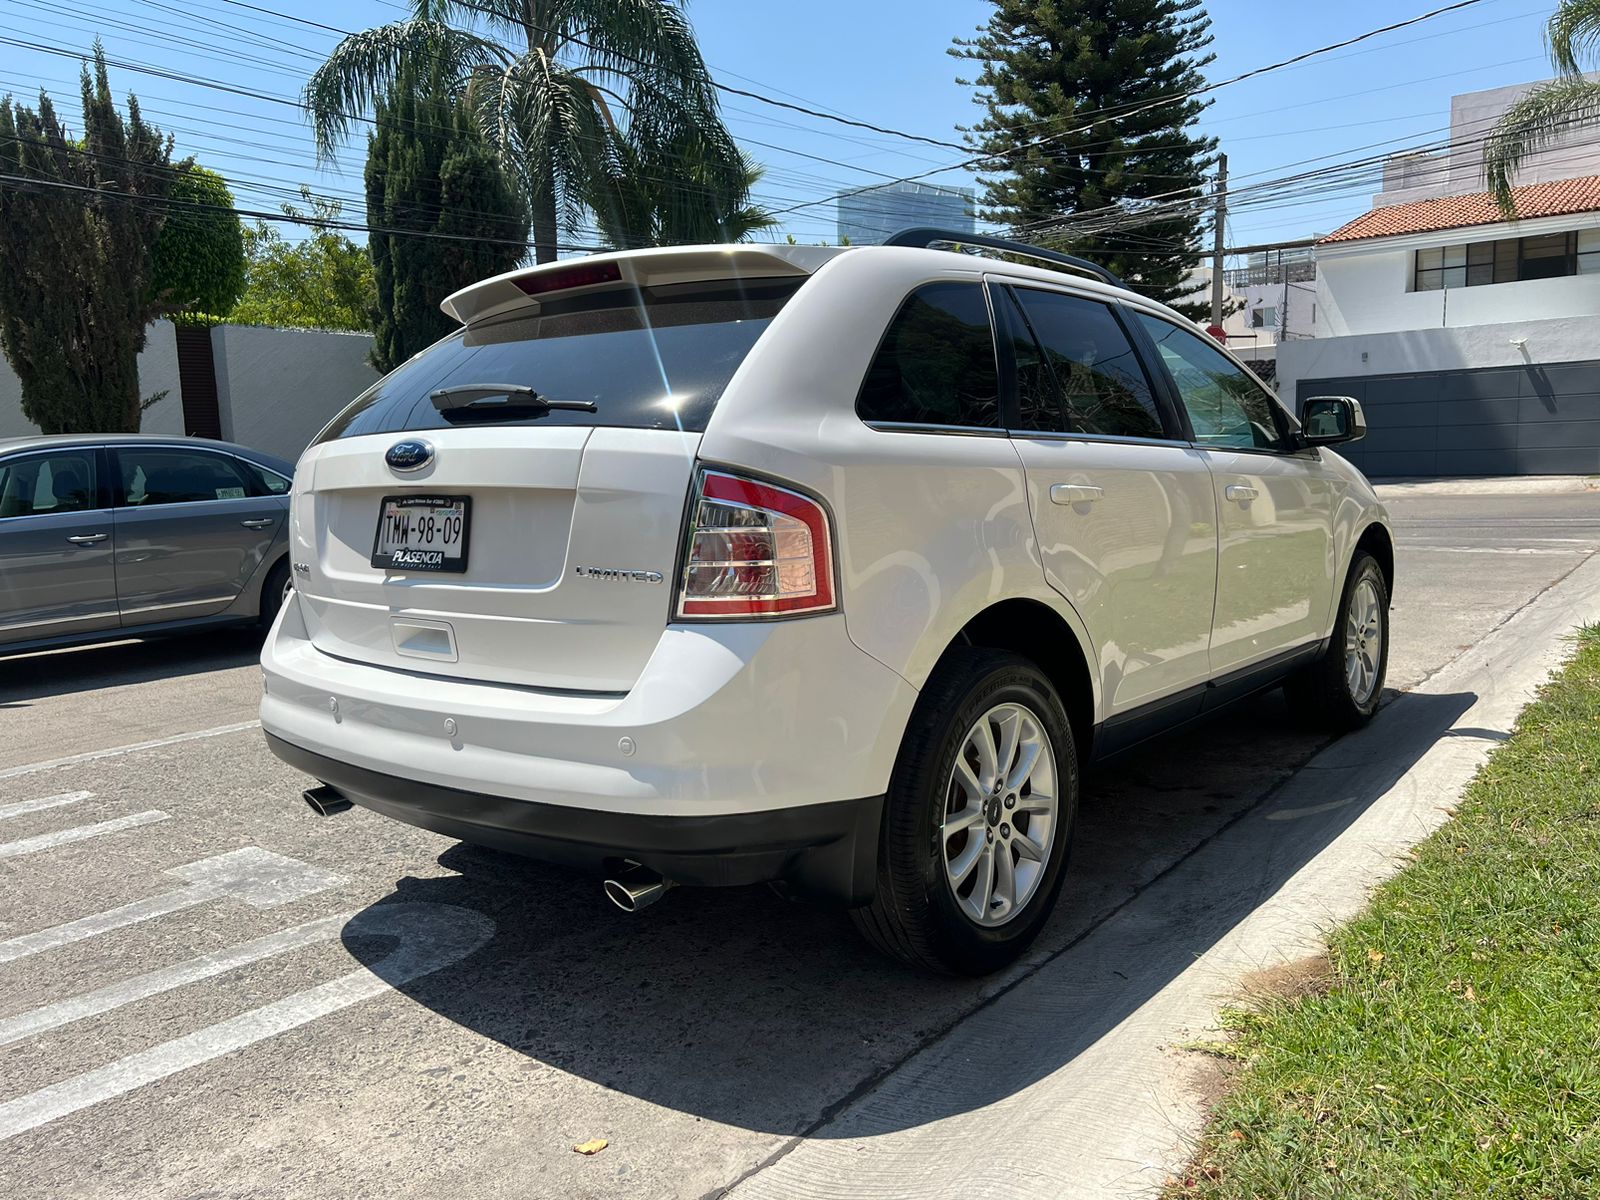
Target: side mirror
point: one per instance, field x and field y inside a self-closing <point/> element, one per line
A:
<point x="1329" y="420"/>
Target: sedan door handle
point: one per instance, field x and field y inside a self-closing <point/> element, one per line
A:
<point x="87" y="539"/>
<point x="1075" y="493"/>
<point x="1242" y="492"/>
<point x="258" y="522"/>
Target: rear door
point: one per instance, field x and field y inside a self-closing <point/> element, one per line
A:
<point x="1274" y="505"/>
<point x="193" y="527"/>
<point x="1122" y="505"/>
<point x="508" y="506"/>
<point x="55" y="546"/>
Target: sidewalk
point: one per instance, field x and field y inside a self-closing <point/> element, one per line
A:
<point x="1068" y="1085"/>
<point x="1495" y="485"/>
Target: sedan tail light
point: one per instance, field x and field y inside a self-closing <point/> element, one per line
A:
<point x="755" y="550"/>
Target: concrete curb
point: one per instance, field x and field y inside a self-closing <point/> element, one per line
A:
<point x="1513" y="485"/>
<point x="1068" y="1085"/>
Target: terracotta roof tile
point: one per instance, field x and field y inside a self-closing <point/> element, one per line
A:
<point x="1459" y="212"/>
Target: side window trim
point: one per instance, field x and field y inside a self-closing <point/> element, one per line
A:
<point x="1003" y="369"/>
<point x="1174" y="420"/>
<point x="119" y="497"/>
<point x="97" y="465"/>
<point x="1280" y="415"/>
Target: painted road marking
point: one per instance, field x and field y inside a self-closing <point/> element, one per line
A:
<point x="258" y="877"/>
<point x="42" y="803"/>
<point x="94" y="755"/>
<point x="430" y="936"/>
<point x="79" y="833"/>
<point x="153" y="983"/>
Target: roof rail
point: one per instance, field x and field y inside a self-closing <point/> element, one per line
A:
<point x="928" y="238"/>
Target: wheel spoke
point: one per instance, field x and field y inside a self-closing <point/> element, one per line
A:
<point x="1027" y="847"/>
<point x="1010" y="735"/>
<point x="961" y="866"/>
<point x="983" y="889"/>
<point x="1026" y="758"/>
<point x="1035" y="802"/>
<point x="967" y="777"/>
<point x="982" y="740"/>
<point x="1005" y="876"/>
<point x="965" y="819"/>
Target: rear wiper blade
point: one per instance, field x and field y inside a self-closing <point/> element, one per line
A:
<point x="507" y="395"/>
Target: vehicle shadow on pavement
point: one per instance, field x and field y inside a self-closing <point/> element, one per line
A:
<point x="69" y="670"/>
<point x="740" y="1007"/>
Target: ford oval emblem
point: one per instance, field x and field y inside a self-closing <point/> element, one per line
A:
<point x="410" y="455"/>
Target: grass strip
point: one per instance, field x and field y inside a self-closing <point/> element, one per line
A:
<point x="1454" y="1049"/>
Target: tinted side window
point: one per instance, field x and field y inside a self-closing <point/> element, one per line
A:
<point x="267" y="481"/>
<point x="47" y="483"/>
<point x="1094" y="375"/>
<point x="1226" y="407"/>
<point x="162" y="476"/>
<point x="936" y="365"/>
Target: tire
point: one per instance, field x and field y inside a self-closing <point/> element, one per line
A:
<point x="274" y="592"/>
<point x="1335" y="693"/>
<point x="918" y="914"/>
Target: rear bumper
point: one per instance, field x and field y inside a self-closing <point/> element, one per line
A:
<point x="825" y="851"/>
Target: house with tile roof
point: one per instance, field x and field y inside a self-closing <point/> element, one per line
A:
<point x="1473" y="341"/>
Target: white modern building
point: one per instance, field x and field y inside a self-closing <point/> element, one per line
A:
<point x="1472" y="341"/>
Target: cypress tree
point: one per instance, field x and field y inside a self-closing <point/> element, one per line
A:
<point x="1050" y="69"/>
<point x="75" y="256"/>
<point x="429" y="169"/>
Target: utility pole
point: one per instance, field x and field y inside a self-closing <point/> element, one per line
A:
<point x="1218" y="240"/>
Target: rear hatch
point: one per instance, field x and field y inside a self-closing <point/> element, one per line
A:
<point x="507" y="506"/>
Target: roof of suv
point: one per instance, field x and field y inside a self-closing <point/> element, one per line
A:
<point x="660" y="265"/>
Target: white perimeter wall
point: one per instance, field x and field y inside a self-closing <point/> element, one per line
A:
<point x="1564" y="339"/>
<point x="276" y="388"/>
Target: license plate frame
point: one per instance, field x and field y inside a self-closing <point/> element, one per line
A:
<point x="386" y="559"/>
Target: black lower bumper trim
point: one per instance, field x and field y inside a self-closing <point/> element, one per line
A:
<point x="823" y="851"/>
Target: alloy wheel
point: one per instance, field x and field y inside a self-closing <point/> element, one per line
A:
<point x="999" y="814"/>
<point x="1363" y="641"/>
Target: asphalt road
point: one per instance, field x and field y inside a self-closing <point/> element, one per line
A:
<point x="207" y="990"/>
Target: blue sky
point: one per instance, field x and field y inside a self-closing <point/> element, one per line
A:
<point x="883" y="62"/>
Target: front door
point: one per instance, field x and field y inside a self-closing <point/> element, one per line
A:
<point x="1274" y="506"/>
<point x="55" y="546"/>
<point x="1123" y="508"/>
<point x="193" y="526"/>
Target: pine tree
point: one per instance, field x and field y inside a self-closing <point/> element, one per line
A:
<point x="430" y="170"/>
<point x="1051" y="69"/>
<point x="75" y="256"/>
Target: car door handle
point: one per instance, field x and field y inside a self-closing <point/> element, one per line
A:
<point x="87" y="539"/>
<point x="258" y="522"/>
<point x="1242" y="492"/>
<point x="1075" y="493"/>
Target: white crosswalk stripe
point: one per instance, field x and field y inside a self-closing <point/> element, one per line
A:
<point x="22" y="807"/>
<point x="79" y="833"/>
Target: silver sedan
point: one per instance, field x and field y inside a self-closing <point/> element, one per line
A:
<point x="114" y="535"/>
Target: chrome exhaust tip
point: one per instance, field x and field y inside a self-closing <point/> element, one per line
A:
<point x="325" y="800"/>
<point x="636" y="888"/>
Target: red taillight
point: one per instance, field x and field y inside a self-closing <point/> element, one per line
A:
<point x="582" y="275"/>
<point x="755" y="550"/>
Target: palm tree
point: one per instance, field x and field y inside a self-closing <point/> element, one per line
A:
<point x="585" y="110"/>
<point x="1551" y="108"/>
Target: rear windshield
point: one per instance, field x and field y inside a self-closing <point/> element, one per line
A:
<point x="648" y="358"/>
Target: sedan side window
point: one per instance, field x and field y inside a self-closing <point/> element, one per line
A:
<point x="47" y="483"/>
<point x="936" y="365"/>
<point x="161" y="475"/>
<point x="1088" y="367"/>
<point x="1227" y="408"/>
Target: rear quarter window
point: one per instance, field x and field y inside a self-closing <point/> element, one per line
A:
<point x="936" y="364"/>
<point x="651" y="358"/>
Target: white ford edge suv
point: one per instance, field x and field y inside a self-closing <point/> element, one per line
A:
<point x="828" y="567"/>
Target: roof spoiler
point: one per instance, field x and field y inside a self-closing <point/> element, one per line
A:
<point x="927" y="238"/>
<point x="524" y="287"/>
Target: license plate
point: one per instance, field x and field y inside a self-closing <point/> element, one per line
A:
<point x="422" y="533"/>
